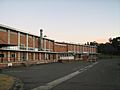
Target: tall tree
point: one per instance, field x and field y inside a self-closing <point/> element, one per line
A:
<point x="116" y="44"/>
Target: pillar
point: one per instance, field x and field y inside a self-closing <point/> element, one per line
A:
<point x="49" y="45"/>
<point x="33" y="56"/>
<point x="34" y="42"/>
<point x="8" y="56"/>
<point x="26" y="41"/>
<point x="19" y="56"/>
<point x="44" y="44"/>
<point x="8" y="36"/>
<point x="27" y="56"/>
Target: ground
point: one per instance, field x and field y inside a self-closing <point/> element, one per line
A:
<point x="104" y="75"/>
<point x="6" y="82"/>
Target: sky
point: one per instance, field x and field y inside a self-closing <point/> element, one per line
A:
<point x="75" y="21"/>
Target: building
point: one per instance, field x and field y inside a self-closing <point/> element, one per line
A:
<point x="17" y="47"/>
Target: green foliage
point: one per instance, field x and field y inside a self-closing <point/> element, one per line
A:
<point x="110" y="48"/>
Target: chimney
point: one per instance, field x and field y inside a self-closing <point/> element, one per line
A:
<point x="40" y="40"/>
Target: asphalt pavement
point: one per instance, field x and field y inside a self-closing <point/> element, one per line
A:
<point x="104" y="75"/>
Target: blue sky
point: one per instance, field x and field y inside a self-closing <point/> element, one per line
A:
<point x="77" y="21"/>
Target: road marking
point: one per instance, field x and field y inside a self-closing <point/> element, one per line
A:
<point x="54" y="83"/>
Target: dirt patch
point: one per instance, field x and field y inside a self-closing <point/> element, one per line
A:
<point x="6" y="82"/>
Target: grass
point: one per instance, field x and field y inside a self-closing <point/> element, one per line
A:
<point x="6" y="82"/>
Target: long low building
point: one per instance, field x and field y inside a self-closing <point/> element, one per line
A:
<point x="17" y="47"/>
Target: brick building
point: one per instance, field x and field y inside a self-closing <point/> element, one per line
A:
<point x="17" y="47"/>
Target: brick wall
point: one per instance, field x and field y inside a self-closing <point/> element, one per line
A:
<point x="71" y="47"/>
<point x="3" y="36"/>
<point x="30" y="56"/>
<point x="47" y="44"/>
<point x="37" y="56"/>
<point x="59" y="47"/>
<point x="30" y="41"/>
<point x="78" y="48"/>
<point x="52" y="45"/>
<point x="13" y="38"/>
<point x="23" y="39"/>
<point x="36" y="42"/>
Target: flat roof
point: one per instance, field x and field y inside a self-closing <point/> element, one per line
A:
<point x="18" y="30"/>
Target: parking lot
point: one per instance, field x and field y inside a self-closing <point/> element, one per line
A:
<point x="103" y="75"/>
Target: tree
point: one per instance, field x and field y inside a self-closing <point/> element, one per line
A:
<point x="116" y="44"/>
<point x="111" y="47"/>
<point x="94" y="43"/>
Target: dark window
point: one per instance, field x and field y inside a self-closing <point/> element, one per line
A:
<point x="1" y="55"/>
<point x="13" y="55"/>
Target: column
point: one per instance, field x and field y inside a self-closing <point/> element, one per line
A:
<point x="40" y="56"/>
<point x="8" y="56"/>
<point x="34" y="42"/>
<point x="45" y="56"/>
<point x="18" y="39"/>
<point x="74" y="48"/>
<point x="26" y="41"/>
<point x="82" y="48"/>
<point x="27" y="56"/>
<point x="8" y="36"/>
<point x="33" y="56"/>
<point x="44" y="44"/>
<point x="18" y="56"/>
<point x="49" y="45"/>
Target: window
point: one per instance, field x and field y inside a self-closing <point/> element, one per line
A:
<point x="13" y="55"/>
<point x="1" y="55"/>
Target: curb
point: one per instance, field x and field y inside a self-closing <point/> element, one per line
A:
<point x="17" y="85"/>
